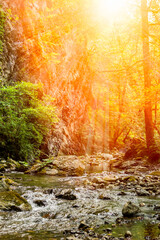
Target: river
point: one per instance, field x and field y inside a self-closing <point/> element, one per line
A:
<point x="58" y="218"/>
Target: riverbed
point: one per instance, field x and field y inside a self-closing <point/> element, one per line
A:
<point x="60" y="218"/>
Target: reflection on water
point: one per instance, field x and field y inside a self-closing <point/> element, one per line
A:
<point x="151" y="231"/>
<point x="32" y="235"/>
<point x="140" y="230"/>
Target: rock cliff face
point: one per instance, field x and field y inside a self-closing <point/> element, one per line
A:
<point x="68" y="81"/>
<point x="12" y="44"/>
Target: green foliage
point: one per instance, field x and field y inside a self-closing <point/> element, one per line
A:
<point x="25" y="121"/>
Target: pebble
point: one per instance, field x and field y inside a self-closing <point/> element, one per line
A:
<point x="109" y="230"/>
<point x="128" y="234"/>
<point x="142" y="204"/>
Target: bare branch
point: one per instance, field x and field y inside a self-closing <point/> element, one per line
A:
<point x="122" y="69"/>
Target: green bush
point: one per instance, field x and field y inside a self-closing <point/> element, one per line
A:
<point x="26" y="118"/>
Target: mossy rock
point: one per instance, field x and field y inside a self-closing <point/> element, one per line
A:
<point x="7" y="183"/>
<point x="156" y="173"/>
<point x="35" y="168"/>
<point x="130" y="210"/>
<point x="9" y="164"/>
<point x="129" y="179"/>
<point x="11" y="200"/>
<point x="39" y="166"/>
<point x="2" y="167"/>
<point x="102" y="210"/>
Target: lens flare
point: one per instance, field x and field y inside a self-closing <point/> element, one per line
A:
<point x="109" y="9"/>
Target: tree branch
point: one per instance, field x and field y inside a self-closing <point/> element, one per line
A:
<point x="121" y="70"/>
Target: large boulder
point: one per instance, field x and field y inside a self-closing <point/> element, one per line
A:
<point x="61" y="166"/>
<point x="69" y="165"/>
<point x="130" y="210"/>
<point x="11" y="200"/>
<point x="72" y="165"/>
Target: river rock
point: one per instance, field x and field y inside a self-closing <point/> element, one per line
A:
<point x="98" y="180"/>
<point x="101" y="210"/>
<point x="155" y="173"/>
<point x="9" y="164"/>
<point x="129" y="165"/>
<point x="61" y="166"/>
<point x="104" y="196"/>
<point x="73" y="238"/>
<point x="143" y="192"/>
<point x="158" y="217"/>
<point x="40" y="203"/>
<point x="115" y="164"/>
<point x="66" y="194"/>
<point x="128" y="234"/>
<point x="48" y="215"/>
<point x="130" y="210"/>
<point x="48" y="191"/>
<point x="157" y="207"/>
<point x="69" y="165"/>
<point x="142" y="169"/>
<point x="122" y="193"/>
<point x="51" y="172"/>
<point x="108" y="230"/>
<point x="7" y="183"/>
<point x="129" y="179"/>
<point x="11" y="200"/>
<point x="83" y="226"/>
<point x="119" y="220"/>
<point x="106" y="156"/>
<point x="142" y="204"/>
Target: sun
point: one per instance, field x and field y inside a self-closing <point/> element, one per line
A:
<point x="109" y="9"/>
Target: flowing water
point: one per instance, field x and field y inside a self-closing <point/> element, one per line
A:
<point x="59" y="216"/>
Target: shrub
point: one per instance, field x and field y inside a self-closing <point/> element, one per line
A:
<point x="26" y="119"/>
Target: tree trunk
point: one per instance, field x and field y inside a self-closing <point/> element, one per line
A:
<point x="147" y="80"/>
<point x="153" y="153"/>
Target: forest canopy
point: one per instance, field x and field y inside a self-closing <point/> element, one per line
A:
<point x="99" y="60"/>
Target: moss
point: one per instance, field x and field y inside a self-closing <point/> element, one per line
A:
<point x="156" y="173"/>
<point x="11" y="200"/>
<point x="129" y="179"/>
